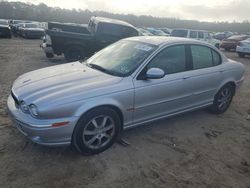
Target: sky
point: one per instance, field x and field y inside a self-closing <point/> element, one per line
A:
<point x="203" y="10"/>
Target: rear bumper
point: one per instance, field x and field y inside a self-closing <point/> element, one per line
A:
<point x="41" y="131"/>
<point x="47" y="48"/>
<point x="239" y="83"/>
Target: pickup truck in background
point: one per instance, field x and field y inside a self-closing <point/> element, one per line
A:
<point x="77" y="41"/>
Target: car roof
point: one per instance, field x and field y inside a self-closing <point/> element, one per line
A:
<point x="162" y="40"/>
<point x="113" y="21"/>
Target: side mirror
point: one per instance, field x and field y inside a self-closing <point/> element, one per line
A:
<point x="155" y="73"/>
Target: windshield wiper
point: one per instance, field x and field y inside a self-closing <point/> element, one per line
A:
<point x="100" y="68"/>
<point x="97" y="67"/>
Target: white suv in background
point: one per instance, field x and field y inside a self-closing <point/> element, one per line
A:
<point x="196" y="34"/>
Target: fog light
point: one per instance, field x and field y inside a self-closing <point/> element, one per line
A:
<point x="60" y="124"/>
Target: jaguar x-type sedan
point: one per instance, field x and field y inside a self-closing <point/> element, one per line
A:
<point x="131" y="82"/>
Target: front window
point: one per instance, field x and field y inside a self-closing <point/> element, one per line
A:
<point x="121" y="58"/>
<point x="170" y="60"/>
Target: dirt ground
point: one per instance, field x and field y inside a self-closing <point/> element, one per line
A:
<point x="197" y="149"/>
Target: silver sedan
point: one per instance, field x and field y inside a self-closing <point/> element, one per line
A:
<point x="131" y="82"/>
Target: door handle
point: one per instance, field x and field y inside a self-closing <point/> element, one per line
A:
<point x="221" y="71"/>
<point x="186" y="77"/>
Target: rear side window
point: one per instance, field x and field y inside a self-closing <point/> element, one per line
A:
<point x="179" y="33"/>
<point x="200" y="35"/>
<point x="171" y="60"/>
<point x="193" y="34"/>
<point x="204" y="57"/>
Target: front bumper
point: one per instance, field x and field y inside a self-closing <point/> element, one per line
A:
<point x="40" y="131"/>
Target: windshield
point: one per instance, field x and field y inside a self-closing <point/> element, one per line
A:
<point x="179" y="33"/>
<point x="121" y="58"/>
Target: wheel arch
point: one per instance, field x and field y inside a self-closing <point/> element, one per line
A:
<point x="115" y="107"/>
<point x="228" y="82"/>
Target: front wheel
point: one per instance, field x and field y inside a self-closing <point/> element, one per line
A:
<point x="222" y="99"/>
<point x="96" y="131"/>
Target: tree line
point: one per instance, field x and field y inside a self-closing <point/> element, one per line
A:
<point x="44" y="13"/>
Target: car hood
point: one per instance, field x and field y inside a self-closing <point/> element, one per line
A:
<point x="62" y="84"/>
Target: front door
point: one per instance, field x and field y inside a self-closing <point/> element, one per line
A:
<point x="158" y="97"/>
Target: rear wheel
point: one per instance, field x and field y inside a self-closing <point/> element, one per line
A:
<point x="222" y="99"/>
<point x="74" y="53"/>
<point x="96" y="131"/>
<point x="242" y="55"/>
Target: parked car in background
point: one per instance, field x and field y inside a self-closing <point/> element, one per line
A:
<point x="243" y="48"/>
<point x="132" y="82"/>
<point x="31" y="30"/>
<point x="231" y="42"/>
<point x="157" y="32"/>
<point x="196" y="34"/>
<point x="144" y="32"/>
<point x="80" y="41"/>
<point x="15" y="24"/>
<point x="166" y="30"/>
<point x="5" y="29"/>
<point x="223" y="35"/>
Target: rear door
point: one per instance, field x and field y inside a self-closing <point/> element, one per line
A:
<point x="206" y="74"/>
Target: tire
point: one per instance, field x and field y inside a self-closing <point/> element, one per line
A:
<point x="227" y="49"/>
<point x="74" y="53"/>
<point x="241" y="55"/>
<point x="222" y="99"/>
<point x="92" y="136"/>
<point x="49" y="55"/>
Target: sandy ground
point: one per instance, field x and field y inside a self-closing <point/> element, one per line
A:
<point x="196" y="149"/>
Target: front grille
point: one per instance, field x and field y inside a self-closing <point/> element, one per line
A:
<point x="15" y="98"/>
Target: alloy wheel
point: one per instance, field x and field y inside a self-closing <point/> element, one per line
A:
<point x="98" y="132"/>
<point x="224" y="98"/>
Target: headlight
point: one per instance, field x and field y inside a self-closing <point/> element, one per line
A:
<point x="33" y="110"/>
<point x="24" y="107"/>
